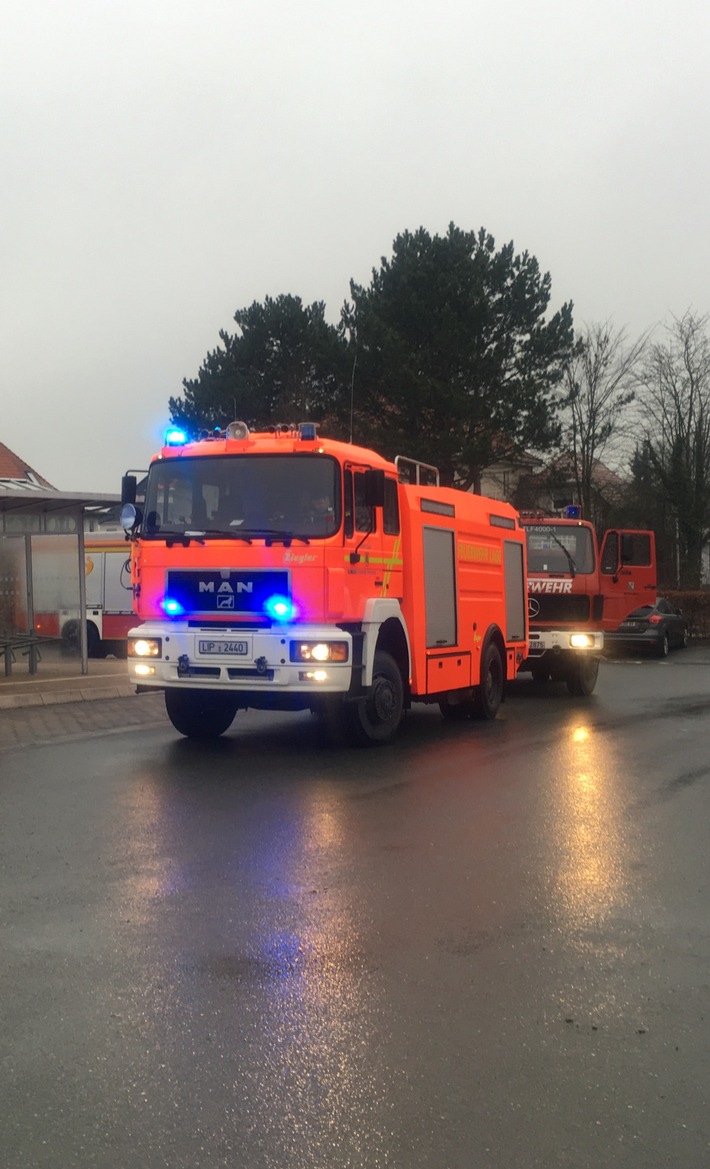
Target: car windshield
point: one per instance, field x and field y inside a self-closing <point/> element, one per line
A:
<point x="243" y="497"/>
<point x="559" y="548"/>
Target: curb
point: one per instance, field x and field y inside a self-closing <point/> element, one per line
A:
<point x="57" y="697"/>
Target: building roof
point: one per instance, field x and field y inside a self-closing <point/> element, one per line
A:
<point x="17" y="475"/>
<point x="562" y="467"/>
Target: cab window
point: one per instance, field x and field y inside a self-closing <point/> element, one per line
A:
<point x="364" y="515"/>
<point x="390" y="512"/>
<point x="348" y="505"/>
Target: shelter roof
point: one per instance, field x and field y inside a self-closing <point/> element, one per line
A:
<point x="42" y="500"/>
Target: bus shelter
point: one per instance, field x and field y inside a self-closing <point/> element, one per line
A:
<point x="42" y="581"/>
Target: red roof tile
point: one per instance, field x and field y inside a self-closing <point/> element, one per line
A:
<point x="16" y="469"/>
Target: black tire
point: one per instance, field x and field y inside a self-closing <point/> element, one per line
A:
<point x="375" y="718"/>
<point x="94" y="648"/>
<point x="200" y="714"/>
<point x="540" y="674"/>
<point x="489" y="693"/>
<point x="663" y="647"/>
<point x="582" y="675"/>
<point x="71" y="646"/>
<point x="71" y="640"/>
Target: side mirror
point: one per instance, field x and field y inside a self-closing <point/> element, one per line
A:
<point x="129" y="484"/>
<point x="374" y="488"/>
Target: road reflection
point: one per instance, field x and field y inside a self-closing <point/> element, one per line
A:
<point x="273" y="961"/>
<point x="586" y="838"/>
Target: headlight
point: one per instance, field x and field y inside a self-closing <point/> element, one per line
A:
<point x="145" y="647"/>
<point x="319" y="651"/>
<point x="581" y="640"/>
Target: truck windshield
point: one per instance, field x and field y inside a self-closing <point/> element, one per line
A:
<point x="243" y="495"/>
<point x="559" y="548"/>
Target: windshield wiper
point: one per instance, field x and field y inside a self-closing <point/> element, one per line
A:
<point x="274" y="536"/>
<point x="223" y="533"/>
<point x="570" y="561"/>
<point x="184" y="538"/>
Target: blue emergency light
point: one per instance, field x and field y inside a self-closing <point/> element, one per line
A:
<point x="573" y="511"/>
<point x="175" y="436"/>
<point x="280" y="608"/>
<point x="171" y="607"/>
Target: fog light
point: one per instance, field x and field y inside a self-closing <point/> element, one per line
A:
<point x="143" y="670"/>
<point x="313" y="676"/>
<point x="581" y="640"/>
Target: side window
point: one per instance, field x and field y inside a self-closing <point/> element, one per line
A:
<point x="390" y="513"/>
<point x="364" y="517"/>
<point x="348" y="504"/>
<point x="635" y="548"/>
<point x="611" y="554"/>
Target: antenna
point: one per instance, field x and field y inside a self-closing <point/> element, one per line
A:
<point x="352" y="392"/>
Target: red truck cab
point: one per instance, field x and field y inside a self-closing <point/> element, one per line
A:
<point x="576" y="592"/>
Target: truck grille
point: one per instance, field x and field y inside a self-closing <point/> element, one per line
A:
<point x="226" y="592"/>
<point x="560" y="610"/>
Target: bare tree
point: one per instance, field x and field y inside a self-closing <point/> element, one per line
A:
<point x="674" y="391"/>
<point x="599" y="383"/>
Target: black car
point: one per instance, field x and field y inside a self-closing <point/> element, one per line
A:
<point x="655" y="629"/>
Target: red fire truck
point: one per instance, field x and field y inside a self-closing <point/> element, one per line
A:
<point x="283" y="571"/>
<point x="576" y="592"/>
<point x="109" y="597"/>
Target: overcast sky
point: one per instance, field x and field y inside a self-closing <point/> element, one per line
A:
<point x="167" y="162"/>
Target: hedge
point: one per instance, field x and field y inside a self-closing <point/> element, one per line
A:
<point x="695" y="606"/>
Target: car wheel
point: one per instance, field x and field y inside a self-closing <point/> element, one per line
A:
<point x="663" y="647"/>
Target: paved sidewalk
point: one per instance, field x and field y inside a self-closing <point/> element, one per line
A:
<point x="60" y="680"/>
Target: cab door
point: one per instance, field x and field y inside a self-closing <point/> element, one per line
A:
<point x="372" y="538"/>
<point x="627" y="573"/>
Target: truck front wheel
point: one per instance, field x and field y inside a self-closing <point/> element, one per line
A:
<point x="582" y="675"/>
<point x="200" y="714"/>
<point x="376" y="717"/>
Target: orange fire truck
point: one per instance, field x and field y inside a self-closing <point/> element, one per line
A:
<point x="575" y="593"/>
<point x="283" y="571"/>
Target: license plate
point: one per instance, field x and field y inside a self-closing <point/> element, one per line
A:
<point x="239" y="649"/>
<point x="629" y="625"/>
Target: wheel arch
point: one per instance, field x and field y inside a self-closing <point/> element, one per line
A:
<point x="495" y="634"/>
<point x="384" y="628"/>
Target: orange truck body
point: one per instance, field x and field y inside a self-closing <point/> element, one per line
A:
<point x="425" y="577"/>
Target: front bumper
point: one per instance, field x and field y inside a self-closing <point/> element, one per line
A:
<point x="542" y="641"/>
<point x="189" y="659"/>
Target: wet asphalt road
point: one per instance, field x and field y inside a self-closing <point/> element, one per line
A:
<point x="485" y="946"/>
